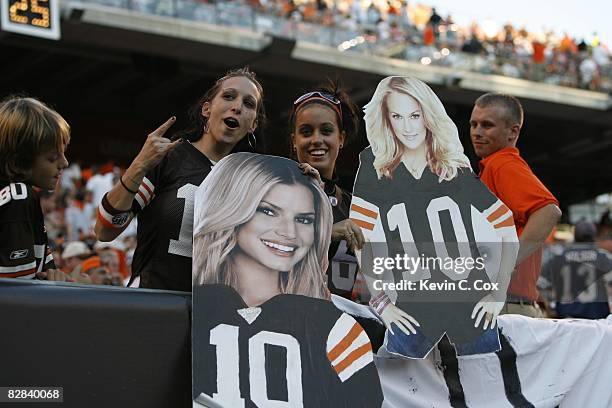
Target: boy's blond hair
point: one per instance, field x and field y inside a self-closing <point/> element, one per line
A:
<point x="28" y="128"/>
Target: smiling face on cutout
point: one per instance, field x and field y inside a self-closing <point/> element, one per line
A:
<point x="281" y="232"/>
<point x="405" y="116"/>
<point x="232" y="113"/>
<point x="317" y="137"/>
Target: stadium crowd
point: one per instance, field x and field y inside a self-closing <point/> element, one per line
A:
<point x="414" y="32"/>
<point x="419" y="33"/>
<point x="70" y="215"/>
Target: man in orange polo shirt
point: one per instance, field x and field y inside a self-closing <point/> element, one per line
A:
<point x="495" y="125"/>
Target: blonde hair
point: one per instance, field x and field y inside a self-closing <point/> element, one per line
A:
<point x="27" y="128"/>
<point x="444" y="149"/>
<point x="230" y="197"/>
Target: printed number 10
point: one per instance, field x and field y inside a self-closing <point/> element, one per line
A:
<point x="225" y="338"/>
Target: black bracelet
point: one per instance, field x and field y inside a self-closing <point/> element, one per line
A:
<point x="126" y="187"/>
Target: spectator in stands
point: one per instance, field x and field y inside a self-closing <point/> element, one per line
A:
<point x="473" y="45"/>
<point x="539" y="60"/>
<point x="114" y="259"/>
<point x="54" y="217"/>
<point x="93" y="269"/>
<point x="589" y="73"/>
<point x="429" y="37"/>
<point x="451" y="32"/>
<point x="604" y="232"/>
<point x="578" y="276"/>
<point x="70" y="176"/>
<point x="33" y="139"/>
<point x="72" y="256"/>
<point x="435" y="20"/>
<point x="495" y="126"/>
<point x="373" y="14"/>
<point x="99" y="184"/>
<point x="321" y="123"/>
<point x="405" y="20"/>
<point x="80" y="216"/>
<point x="159" y="185"/>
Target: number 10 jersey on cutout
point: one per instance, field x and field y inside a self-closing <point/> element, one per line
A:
<point x="292" y="351"/>
<point x="427" y="219"/>
<point x="264" y="332"/>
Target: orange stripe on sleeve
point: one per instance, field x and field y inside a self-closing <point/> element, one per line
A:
<point x="18" y="274"/>
<point x="365" y="225"/>
<point x="364" y="211"/>
<point x="104" y="221"/>
<point x="497" y="213"/>
<point x="508" y="222"/>
<point x="350" y="359"/>
<point x="144" y="199"/>
<point x="146" y="187"/>
<point x="345" y="342"/>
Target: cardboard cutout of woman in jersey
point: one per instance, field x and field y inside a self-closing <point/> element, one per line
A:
<point x="441" y="247"/>
<point x="264" y="331"/>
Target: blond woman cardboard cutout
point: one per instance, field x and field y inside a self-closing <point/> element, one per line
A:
<point x="441" y="247"/>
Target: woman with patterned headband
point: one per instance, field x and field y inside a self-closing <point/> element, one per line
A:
<point x="322" y="122"/>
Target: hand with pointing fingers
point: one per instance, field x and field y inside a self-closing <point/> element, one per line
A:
<point x="156" y="147"/>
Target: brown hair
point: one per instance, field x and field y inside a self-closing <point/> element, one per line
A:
<point x="28" y="127"/>
<point x="197" y="122"/>
<point x="349" y="122"/>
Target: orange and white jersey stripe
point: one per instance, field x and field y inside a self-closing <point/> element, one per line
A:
<point x="500" y="216"/>
<point x="367" y="216"/>
<point x="18" y="271"/>
<point x="145" y="194"/>
<point x="348" y="347"/>
<point x="112" y="221"/>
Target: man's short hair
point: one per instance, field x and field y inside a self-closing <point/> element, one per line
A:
<point x="28" y="127"/>
<point x="511" y="105"/>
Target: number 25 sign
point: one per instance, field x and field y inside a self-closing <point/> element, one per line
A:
<point x="39" y="18"/>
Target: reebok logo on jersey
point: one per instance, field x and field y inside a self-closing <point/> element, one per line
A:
<point x="19" y="254"/>
<point x="249" y="314"/>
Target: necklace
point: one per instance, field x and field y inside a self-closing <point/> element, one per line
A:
<point x="330" y="189"/>
<point x="416" y="168"/>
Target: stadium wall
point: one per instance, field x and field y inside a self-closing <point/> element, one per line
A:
<point x="107" y="347"/>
